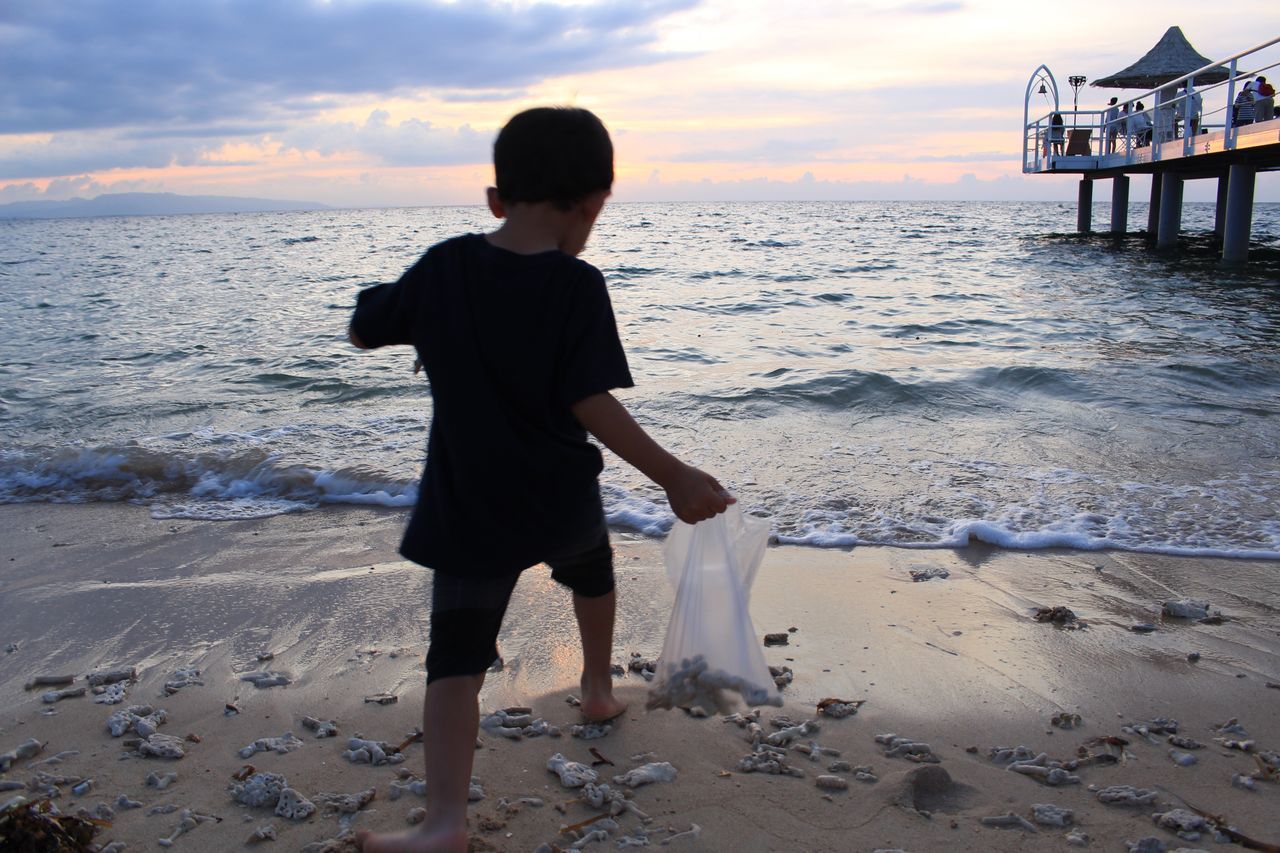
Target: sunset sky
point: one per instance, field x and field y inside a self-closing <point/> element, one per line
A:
<point x="396" y="102"/>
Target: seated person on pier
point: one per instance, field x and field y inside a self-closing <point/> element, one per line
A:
<point x="1140" y="125"/>
<point x="1244" y="106"/>
<point x="1264" y="100"/>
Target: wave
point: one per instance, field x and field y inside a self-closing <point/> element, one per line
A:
<point x="217" y="484"/>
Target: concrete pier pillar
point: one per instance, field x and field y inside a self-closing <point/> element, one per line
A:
<point x="1170" y="211"/>
<point x="1153" y="209"/>
<point x="1239" y="219"/>
<point x="1220" y="211"/>
<point x="1119" y="204"/>
<point x="1084" y="213"/>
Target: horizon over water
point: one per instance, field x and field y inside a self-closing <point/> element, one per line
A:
<point x="919" y="374"/>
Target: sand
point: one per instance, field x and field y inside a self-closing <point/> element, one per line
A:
<point x="957" y="662"/>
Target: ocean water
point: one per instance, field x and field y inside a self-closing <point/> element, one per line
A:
<point x="908" y="374"/>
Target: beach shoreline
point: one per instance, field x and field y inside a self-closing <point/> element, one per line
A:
<point x="957" y="662"/>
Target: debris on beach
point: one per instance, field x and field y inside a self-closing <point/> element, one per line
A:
<point x="1187" y="608"/>
<point x="49" y="681"/>
<point x="911" y="750"/>
<point x="591" y="731"/>
<point x="1009" y="821"/>
<point x="1064" y="720"/>
<point x="571" y="773"/>
<point x="28" y="748"/>
<point x="1126" y="795"/>
<point x="184" y="677"/>
<point x="838" y="709"/>
<point x="789" y="731"/>
<point x="344" y="803"/>
<point x="1186" y="825"/>
<point x="1230" y="727"/>
<point x="782" y="675"/>
<point x="1182" y="742"/>
<point x="770" y="761"/>
<point x="659" y="771"/>
<point x="264" y="679"/>
<point x="1061" y="616"/>
<point x="294" y="806"/>
<point x="144" y="720"/>
<point x="112" y="676"/>
<point x="1182" y="759"/>
<point x="111" y="694"/>
<point x="779" y="639"/>
<point x="1233" y="743"/>
<point x="287" y="742"/>
<point x="931" y="573"/>
<point x="831" y="782"/>
<point x="613" y="800"/>
<point x="267" y="832"/>
<point x="160" y="781"/>
<point x="51" y="696"/>
<point x="693" y="832"/>
<point x="40" y="826"/>
<point x="376" y="752"/>
<point x="815" y="751"/>
<point x="321" y="728"/>
<point x="642" y="666"/>
<point x="1142" y="627"/>
<point x="382" y="699"/>
<point x="1047" y="814"/>
<point x="519" y="722"/>
<point x="187" y="821"/>
<point x="1151" y="728"/>
<point x="160" y="746"/>
<point x="1149" y="844"/>
<point x="1039" y="766"/>
<point x="10" y="648"/>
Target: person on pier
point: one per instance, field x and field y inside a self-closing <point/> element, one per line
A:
<point x="1111" y="121"/>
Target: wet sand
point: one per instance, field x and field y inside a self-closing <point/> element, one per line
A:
<point x="957" y="662"/>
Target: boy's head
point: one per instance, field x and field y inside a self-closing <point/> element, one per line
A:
<point x="559" y="155"/>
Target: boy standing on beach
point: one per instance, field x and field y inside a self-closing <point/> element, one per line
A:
<point x="520" y="345"/>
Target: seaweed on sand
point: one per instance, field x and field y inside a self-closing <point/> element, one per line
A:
<point x="39" y="828"/>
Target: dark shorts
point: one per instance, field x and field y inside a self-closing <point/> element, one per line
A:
<point x="466" y="612"/>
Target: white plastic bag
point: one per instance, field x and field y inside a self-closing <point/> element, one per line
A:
<point x="711" y="650"/>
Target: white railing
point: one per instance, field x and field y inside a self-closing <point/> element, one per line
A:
<point x="1178" y="109"/>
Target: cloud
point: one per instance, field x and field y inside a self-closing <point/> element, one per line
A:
<point x="412" y="142"/>
<point x="769" y="151"/>
<point x="79" y="64"/>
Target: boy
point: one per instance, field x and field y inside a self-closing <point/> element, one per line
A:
<point x="519" y="342"/>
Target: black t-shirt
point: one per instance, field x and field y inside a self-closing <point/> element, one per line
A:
<point x="509" y="343"/>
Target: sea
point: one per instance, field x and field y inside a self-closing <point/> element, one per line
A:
<point x="922" y="375"/>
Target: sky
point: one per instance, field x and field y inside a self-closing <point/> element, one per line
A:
<point x="359" y="103"/>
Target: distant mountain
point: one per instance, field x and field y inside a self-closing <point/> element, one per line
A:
<point x="148" y="204"/>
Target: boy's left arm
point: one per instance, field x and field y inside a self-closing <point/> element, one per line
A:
<point x="383" y="315"/>
<point x="693" y="495"/>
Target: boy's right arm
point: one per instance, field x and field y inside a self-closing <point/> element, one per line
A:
<point x="694" y="495"/>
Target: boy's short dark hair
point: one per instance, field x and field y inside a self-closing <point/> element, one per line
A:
<point x="555" y="154"/>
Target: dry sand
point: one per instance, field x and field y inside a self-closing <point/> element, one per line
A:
<point x="958" y="663"/>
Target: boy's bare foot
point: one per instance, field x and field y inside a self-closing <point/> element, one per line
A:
<point x="415" y="841"/>
<point x="599" y="705"/>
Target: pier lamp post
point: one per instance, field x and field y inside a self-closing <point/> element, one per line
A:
<point x="1076" y="81"/>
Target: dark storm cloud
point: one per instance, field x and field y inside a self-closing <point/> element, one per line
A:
<point x="83" y="64"/>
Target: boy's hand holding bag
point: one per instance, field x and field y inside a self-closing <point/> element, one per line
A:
<point x="711" y="650"/>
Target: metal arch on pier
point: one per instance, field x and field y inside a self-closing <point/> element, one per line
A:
<point x="1190" y="130"/>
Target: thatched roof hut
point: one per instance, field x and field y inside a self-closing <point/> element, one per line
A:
<point x="1172" y="57"/>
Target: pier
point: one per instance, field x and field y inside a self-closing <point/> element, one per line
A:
<point x="1189" y="123"/>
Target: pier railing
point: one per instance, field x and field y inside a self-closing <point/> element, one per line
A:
<point x="1178" y="119"/>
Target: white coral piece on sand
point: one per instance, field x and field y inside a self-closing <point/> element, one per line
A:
<point x="690" y="834"/>
<point x="285" y="743"/>
<point x="263" y="680"/>
<point x="1047" y="814"/>
<point x="184" y="677"/>
<point x="571" y="773"/>
<point x="189" y="820"/>
<point x="1184" y="823"/>
<point x="661" y="771"/>
<point x="591" y="731"/>
<point x="376" y="752"/>
<point x="785" y="736"/>
<point x="294" y="806"/>
<point x="51" y="696"/>
<point x="260" y="789"/>
<point x="160" y="781"/>
<point x="111" y="694"/>
<point x="1126" y="795"/>
<point x="896" y="746"/>
<point x="613" y="799"/>
<point x="162" y="746"/>
<point x="1188" y="608"/>
<point x="27" y="749"/>
<point x="322" y="728"/>
<point x="345" y="803"/>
